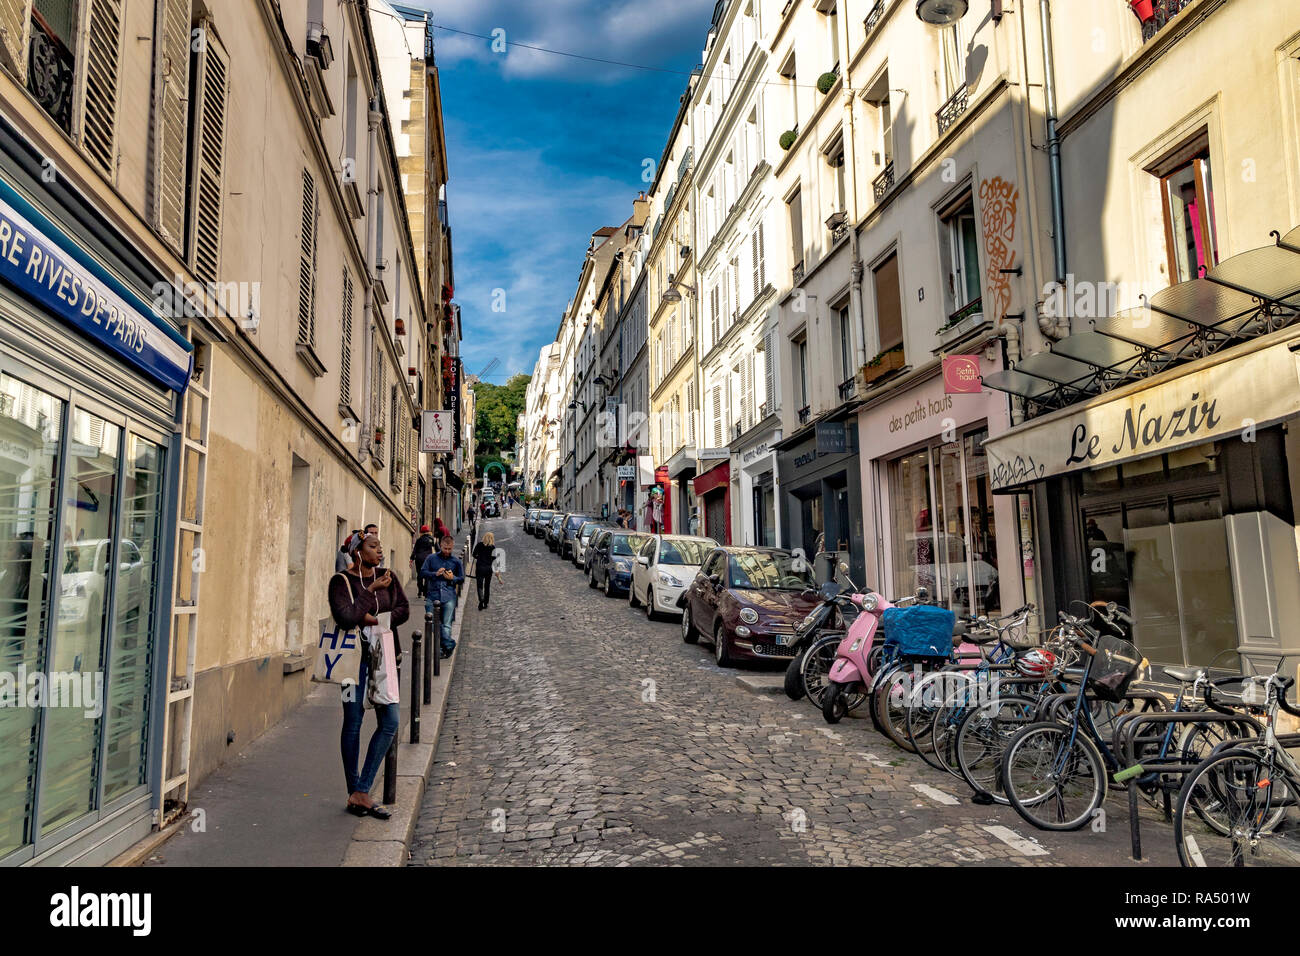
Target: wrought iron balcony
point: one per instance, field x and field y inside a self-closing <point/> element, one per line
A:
<point x="950" y="111"/>
<point x="884" y="182"/>
<point x="873" y="18"/>
<point x="804" y="414"/>
<point x="1162" y="12"/>
<point x="797" y="273"/>
<point x="838" y="224"/>
<point x="847" y="388"/>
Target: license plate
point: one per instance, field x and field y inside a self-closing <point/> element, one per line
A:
<point x="781" y="639"/>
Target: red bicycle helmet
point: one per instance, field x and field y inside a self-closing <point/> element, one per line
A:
<point x="1038" y="662"/>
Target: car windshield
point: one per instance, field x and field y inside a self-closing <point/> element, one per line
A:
<point x="684" y="551"/>
<point x="627" y="544"/>
<point x="588" y="529"/>
<point x="576" y="522"/>
<point x="545" y="515"/>
<point x="768" y="570"/>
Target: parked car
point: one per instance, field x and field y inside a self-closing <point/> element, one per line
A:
<point x="540" y="522"/>
<point x="664" y="568"/>
<point x="569" y="531"/>
<point x="85" y="582"/>
<point x="611" y="566"/>
<point x="530" y="514"/>
<point x="747" y="601"/>
<point x="598" y="541"/>
<point x="553" y="531"/>
<point x="582" y="541"/>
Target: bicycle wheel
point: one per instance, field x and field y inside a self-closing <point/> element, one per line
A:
<point x="1255" y="803"/>
<point x="927" y="700"/>
<point x="982" y="739"/>
<point x="891" y="703"/>
<point x="948" y="720"/>
<point x="1053" y="776"/>
<point x="817" y="662"/>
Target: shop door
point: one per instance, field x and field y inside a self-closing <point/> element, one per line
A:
<point x="715" y="516"/>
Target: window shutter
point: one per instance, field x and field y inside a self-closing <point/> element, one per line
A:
<point x="345" y="364"/>
<point x="735" y="286"/>
<point x="307" y="263"/>
<point x="98" y="85"/>
<point x="14" y="18"/>
<point x="692" y="411"/>
<point x="756" y="260"/>
<point x="769" y="372"/>
<point x="395" y="438"/>
<point x="747" y="390"/>
<point x="207" y="149"/>
<point x="760" y="259"/>
<point x="170" y="119"/>
<point x="717" y="416"/>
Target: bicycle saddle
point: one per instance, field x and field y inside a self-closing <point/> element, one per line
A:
<point x="1187" y="675"/>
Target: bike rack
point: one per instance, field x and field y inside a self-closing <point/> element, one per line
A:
<point x="1126" y="737"/>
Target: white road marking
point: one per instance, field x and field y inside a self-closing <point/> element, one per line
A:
<point x="874" y="760"/>
<point x="935" y="794"/>
<point x="1193" y="850"/>
<point x="1021" y="845"/>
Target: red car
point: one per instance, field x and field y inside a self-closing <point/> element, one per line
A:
<point x="747" y="601"/>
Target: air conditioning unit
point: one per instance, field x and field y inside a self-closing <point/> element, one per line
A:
<point x="318" y="45"/>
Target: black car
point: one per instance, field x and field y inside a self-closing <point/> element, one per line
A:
<point x="553" y="531"/>
<point x="568" y="530"/>
<point x="611" y="565"/>
<point x="600" y="536"/>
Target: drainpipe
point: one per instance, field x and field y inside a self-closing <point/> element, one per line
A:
<point x="373" y="119"/>
<point x="856" y="269"/>
<point x="1054" y="327"/>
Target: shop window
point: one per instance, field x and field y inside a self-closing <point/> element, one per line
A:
<point x="944" y="536"/>
<point x="801" y="370"/>
<point x="1187" y="197"/>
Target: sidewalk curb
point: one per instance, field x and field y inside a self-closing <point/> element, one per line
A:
<point x="388" y="842"/>
<point x="762" y="683"/>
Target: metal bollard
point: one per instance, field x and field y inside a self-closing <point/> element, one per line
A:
<point x="390" y="759"/>
<point x="417" y="640"/>
<point x="430" y="658"/>
<point x="437" y="658"/>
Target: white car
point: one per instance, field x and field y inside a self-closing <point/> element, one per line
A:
<point x="665" y="566"/>
<point x="582" y="540"/>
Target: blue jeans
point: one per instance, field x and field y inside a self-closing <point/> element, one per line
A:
<point x="448" y="612"/>
<point x="354" y="713"/>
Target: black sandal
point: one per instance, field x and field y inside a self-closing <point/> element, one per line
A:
<point x="378" y="812"/>
<point x="356" y="809"/>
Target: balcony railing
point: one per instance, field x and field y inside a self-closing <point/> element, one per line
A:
<point x="873" y="18"/>
<point x="804" y="414"/>
<point x="950" y="111"/>
<point x="797" y="273"/>
<point x="847" y="387"/>
<point x="1163" y="11"/>
<point x="884" y="182"/>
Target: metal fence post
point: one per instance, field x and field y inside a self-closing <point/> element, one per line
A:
<point x="417" y="641"/>
<point x="431" y="656"/>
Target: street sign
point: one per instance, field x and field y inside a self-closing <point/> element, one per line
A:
<point x="830" y="438"/>
<point x="626" y="471"/>
<point x="436" y="431"/>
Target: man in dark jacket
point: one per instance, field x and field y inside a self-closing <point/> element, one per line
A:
<point x="443" y="573"/>
<point x="424" y="546"/>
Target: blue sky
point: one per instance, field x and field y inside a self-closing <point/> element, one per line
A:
<point x="543" y="150"/>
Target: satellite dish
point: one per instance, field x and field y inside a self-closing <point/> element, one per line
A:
<point x="941" y="13"/>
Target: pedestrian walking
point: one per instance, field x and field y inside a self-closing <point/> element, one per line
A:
<point x="343" y="560"/>
<point x="357" y="597"/>
<point x="424" y="546"/>
<point x="484" y="558"/>
<point x="443" y="572"/>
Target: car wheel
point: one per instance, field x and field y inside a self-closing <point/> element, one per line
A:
<point x="609" y="584"/>
<point x="650" y="614"/>
<point x="689" y="634"/>
<point x="632" y="602"/>
<point x="591" y="578"/>
<point x="721" y="653"/>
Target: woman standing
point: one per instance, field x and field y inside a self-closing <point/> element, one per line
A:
<point x="357" y="597"/>
<point x="484" y="555"/>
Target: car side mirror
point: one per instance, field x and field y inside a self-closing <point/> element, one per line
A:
<point x="715" y="580"/>
<point x="643" y="561"/>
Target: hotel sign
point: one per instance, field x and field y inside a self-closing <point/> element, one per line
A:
<point x="1228" y="398"/>
<point x="47" y="267"/>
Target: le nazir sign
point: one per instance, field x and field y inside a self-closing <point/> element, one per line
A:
<point x="1230" y="397"/>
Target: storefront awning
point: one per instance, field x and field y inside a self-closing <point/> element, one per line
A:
<point x="1248" y="386"/>
<point x="717" y="477"/>
<point x="1243" y="298"/>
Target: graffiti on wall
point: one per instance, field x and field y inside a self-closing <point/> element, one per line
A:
<point x="998" y="199"/>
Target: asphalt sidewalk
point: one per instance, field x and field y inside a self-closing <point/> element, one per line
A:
<point x="279" y="802"/>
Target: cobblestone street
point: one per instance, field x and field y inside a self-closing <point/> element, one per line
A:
<point x="578" y="732"/>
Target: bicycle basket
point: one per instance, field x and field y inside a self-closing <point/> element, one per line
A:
<point x="1114" y="668"/>
<point x="921" y="630"/>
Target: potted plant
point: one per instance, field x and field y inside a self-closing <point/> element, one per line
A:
<point x="884" y="363"/>
<point x="379" y="436"/>
<point x="788" y="138"/>
<point x="1143" y="9"/>
<point x="825" y="82"/>
<point x="400" y="326"/>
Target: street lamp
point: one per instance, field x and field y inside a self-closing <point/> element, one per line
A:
<point x="671" y="294"/>
<point x="941" y="13"/>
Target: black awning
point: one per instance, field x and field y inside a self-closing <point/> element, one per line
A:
<point x="455" y="480"/>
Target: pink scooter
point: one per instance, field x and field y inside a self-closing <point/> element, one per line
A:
<point x="858" y="656"/>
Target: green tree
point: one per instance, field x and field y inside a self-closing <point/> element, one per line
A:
<point x="498" y="410"/>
